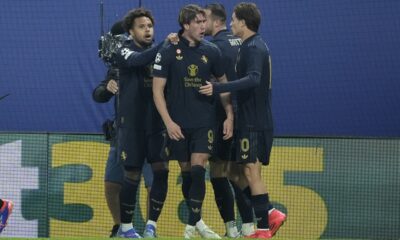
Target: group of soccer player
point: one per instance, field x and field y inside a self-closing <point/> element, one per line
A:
<point x="195" y="101"/>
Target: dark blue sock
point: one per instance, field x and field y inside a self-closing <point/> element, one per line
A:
<point x="197" y="193"/>
<point x="158" y="194"/>
<point x="260" y="205"/>
<point x="224" y="198"/>
<point x="128" y="199"/>
<point x="244" y="205"/>
<point x="186" y="183"/>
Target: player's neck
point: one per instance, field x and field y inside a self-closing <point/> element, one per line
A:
<point x="192" y="42"/>
<point x="247" y="34"/>
<point x="217" y="30"/>
<point x="140" y="45"/>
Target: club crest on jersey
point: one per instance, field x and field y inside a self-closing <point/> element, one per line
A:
<point x="204" y="59"/>
<point x="158" y="58"/>
<point x="178" y="54"/>
<point x="192" y="70"/>
<point x="126" y="52"/>
<point x="123" y="155"/>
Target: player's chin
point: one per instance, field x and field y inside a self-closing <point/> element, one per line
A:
<point x="148" y="40"/>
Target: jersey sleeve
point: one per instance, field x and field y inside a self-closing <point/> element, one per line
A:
<point x="162" y="62"/>
<point x="126" y="57"/>
<point x="253" y="65"/>
<point x="218" y="67"/>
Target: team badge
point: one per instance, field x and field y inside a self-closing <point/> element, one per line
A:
<point x="178" y="54"/>
<point x="192" y="70"/>
<point x="123" y="155"/>
<point x="158" y="58"/>
<point x="204" y="59"/>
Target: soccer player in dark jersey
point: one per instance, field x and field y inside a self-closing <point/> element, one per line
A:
<point x="254" y="133"/>
<point x="220" y="163"/>
<point x="133" y="60"/>
<point x="188" y="116"/>
<point x="114" y="172"/>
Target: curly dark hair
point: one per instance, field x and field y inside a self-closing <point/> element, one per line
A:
<point x="129" y="19"/>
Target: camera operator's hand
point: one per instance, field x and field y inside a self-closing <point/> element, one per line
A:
<point x="112" y="86"/>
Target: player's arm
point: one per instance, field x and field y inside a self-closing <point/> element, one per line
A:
<point x="251" y="80"/>
<point x="126" y="57"/>
<point x="173" y="129"/>
<point x="227" y="104"/>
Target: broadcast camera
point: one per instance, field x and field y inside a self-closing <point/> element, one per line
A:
<point x="109" y="45"/>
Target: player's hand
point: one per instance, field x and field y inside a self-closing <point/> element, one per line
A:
<point x="174" y="131"/>
<point x="228" y="128"/>
<point x="207" y="89"/>
<point x="112" y="86"/>
<point x="173" y="38"/>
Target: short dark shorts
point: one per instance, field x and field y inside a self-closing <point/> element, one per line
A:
<point x="132" y="147"/>
<point x="253" y="145"/>
<point x="197" y="140"/>
<point x="155" y="147"/>
<point x="222" y="148"/>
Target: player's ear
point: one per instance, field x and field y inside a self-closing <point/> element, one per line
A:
<point x="186" y="26"/>
<point x="242" y="23"/>
<point x="131" y="32"/>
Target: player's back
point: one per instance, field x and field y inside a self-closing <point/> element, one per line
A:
<point x="229" y="46"/>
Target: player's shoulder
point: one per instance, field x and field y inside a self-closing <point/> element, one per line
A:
<point x="168" y="47"/>
<point x="209" y="46"/>
<point x="255" y="43"/>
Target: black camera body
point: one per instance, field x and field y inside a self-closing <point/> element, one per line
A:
<point x="109" y="45"/>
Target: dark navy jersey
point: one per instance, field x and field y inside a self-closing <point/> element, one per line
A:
<point x="253" y="86"/>
<point x="153" y="119"/>
<point x="187" y="68"/>
<point x="229" y="46"/>
<point x="254" y="103"/>
<point x="133" y="99"/>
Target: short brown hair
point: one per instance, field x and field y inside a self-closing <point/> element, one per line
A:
<point x="217" y="11"/>
<point x="249" y="13"/>
<point x="188" y="13"/>
<point x="133" y="14"/>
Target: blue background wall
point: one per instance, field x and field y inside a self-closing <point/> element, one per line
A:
<point x="336" y="65"/>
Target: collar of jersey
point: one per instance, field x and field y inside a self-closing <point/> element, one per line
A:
<point x="220" y="32"/>
<point x="250" y="38"/>
<point x="186" y="42"/>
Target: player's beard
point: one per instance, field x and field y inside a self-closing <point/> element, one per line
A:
<point x="144" y="44"/>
